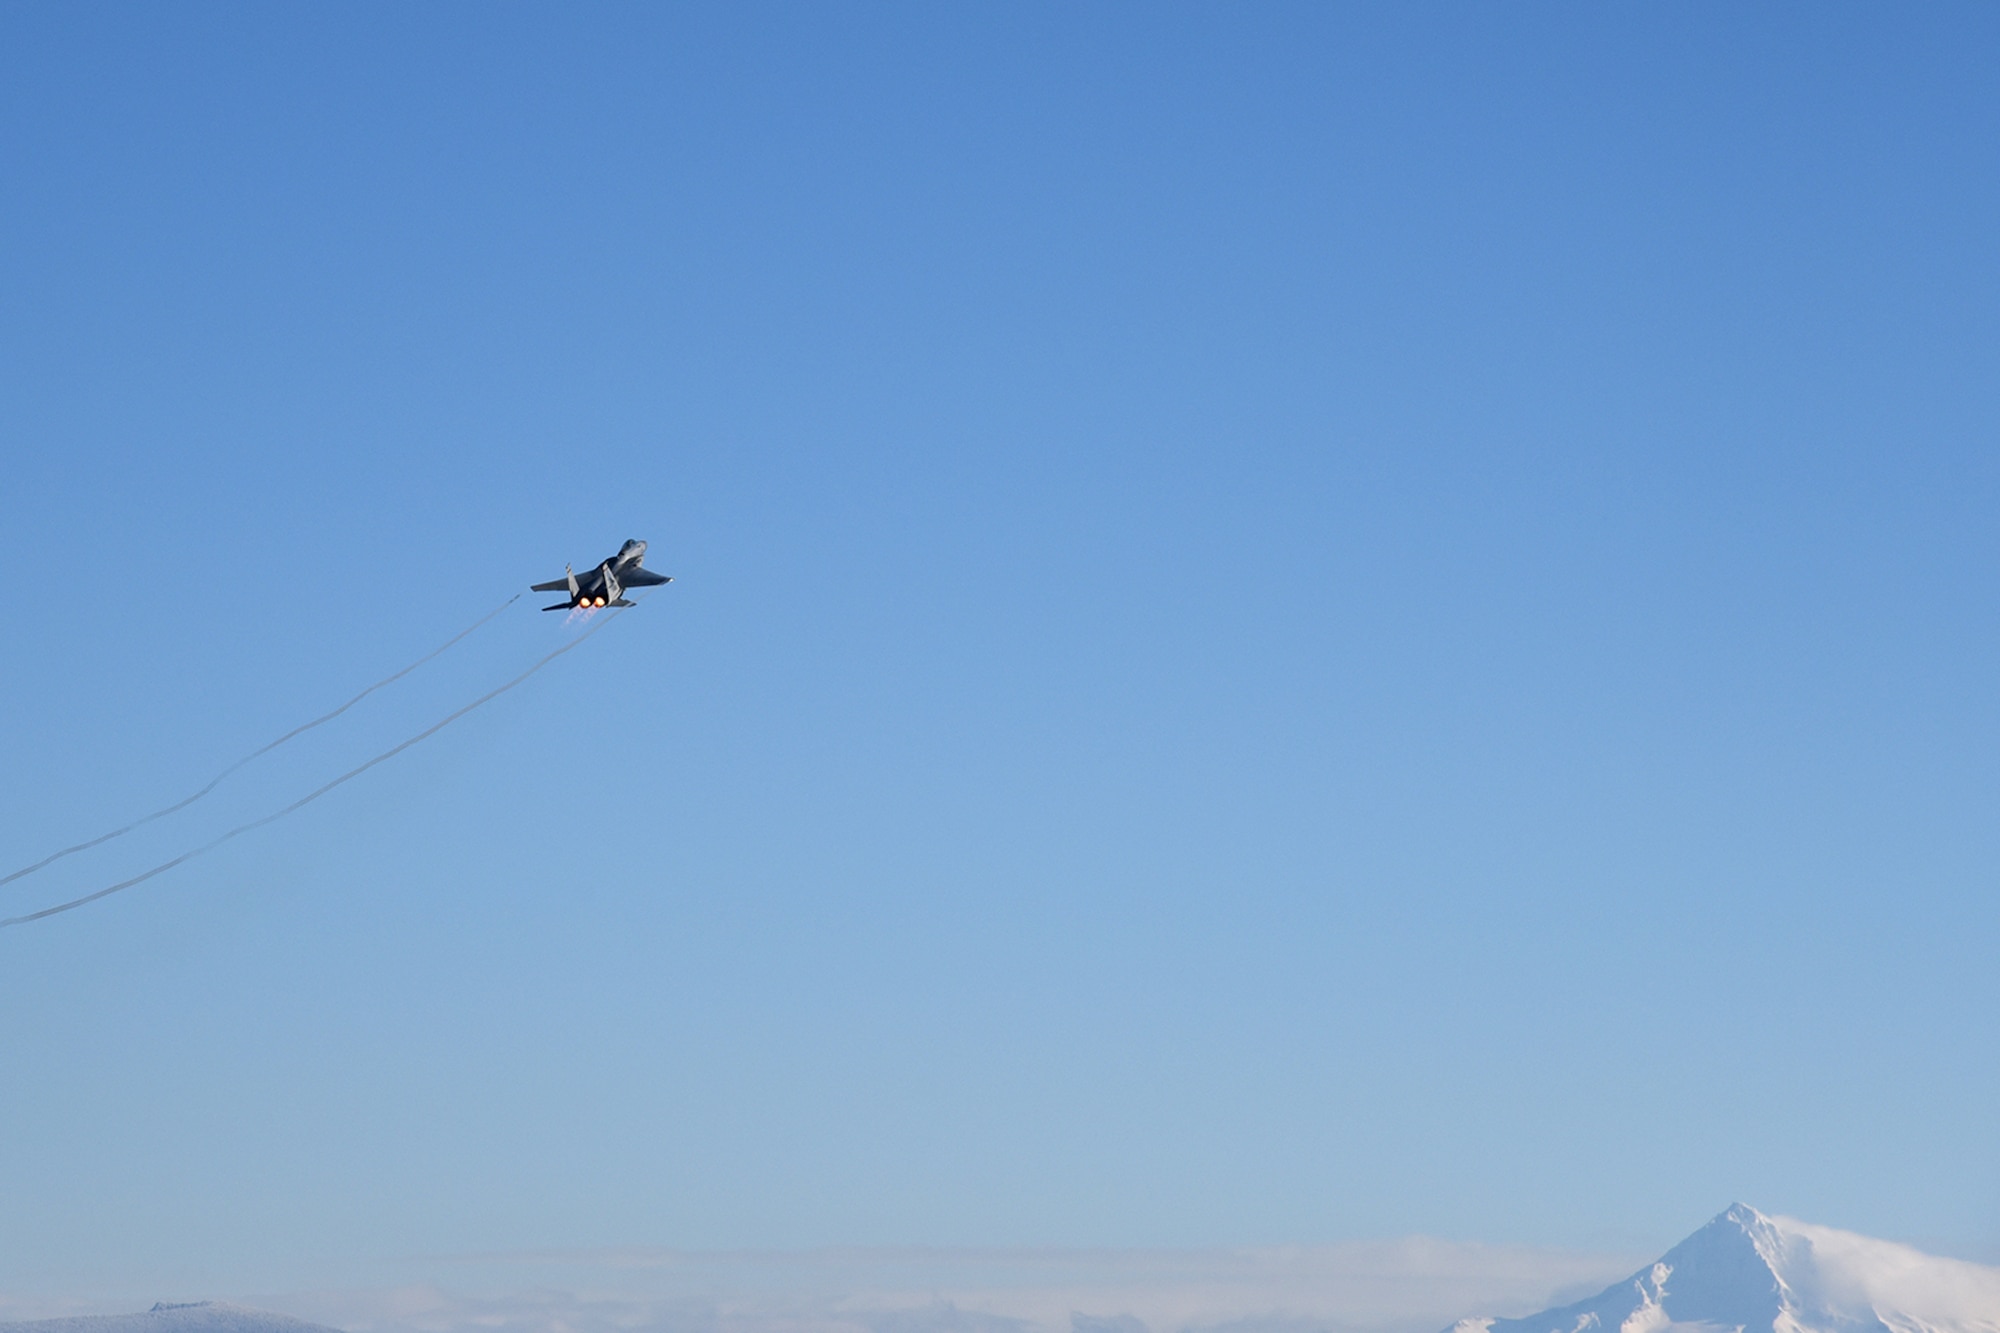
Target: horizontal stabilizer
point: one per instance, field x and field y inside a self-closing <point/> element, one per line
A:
<point x="559" y="606"/>
<point x="622" y="601"/>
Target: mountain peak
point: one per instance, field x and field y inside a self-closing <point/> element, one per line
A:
<point x="1760" y="1274"/>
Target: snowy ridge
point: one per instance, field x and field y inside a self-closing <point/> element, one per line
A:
<point x="1756" y="1274"/>
<point x="197" y="1317"/>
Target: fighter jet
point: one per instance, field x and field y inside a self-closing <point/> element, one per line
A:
<point x="605" y="585"/>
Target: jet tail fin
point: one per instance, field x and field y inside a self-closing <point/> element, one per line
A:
<point x="566" y="582"/>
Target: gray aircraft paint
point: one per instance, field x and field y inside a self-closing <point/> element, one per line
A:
<point x="604" y="585"/>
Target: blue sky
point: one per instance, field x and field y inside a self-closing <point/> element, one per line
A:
<point x="1292" y="624"/>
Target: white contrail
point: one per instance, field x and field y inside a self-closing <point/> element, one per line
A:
<point x="312" y="796"/>
<point x="258" y="754"/>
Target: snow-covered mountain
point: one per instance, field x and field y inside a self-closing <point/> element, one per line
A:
<point x="198" y="1317"/>
<point x="1745" y="1271"/>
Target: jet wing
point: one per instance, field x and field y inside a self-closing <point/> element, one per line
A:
<point x="637" y="578"/>
<point x="556" y="585"/>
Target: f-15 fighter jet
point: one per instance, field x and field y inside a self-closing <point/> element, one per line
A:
<point x="605" y="585"/>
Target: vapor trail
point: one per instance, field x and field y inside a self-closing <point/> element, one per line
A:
<point x="258" y="754"/>
<point x="312" y="796"/>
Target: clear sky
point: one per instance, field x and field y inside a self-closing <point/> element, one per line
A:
<point x="1292" y="623"/>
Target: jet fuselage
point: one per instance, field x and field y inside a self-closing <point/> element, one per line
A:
<point x="606" y="584"/>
